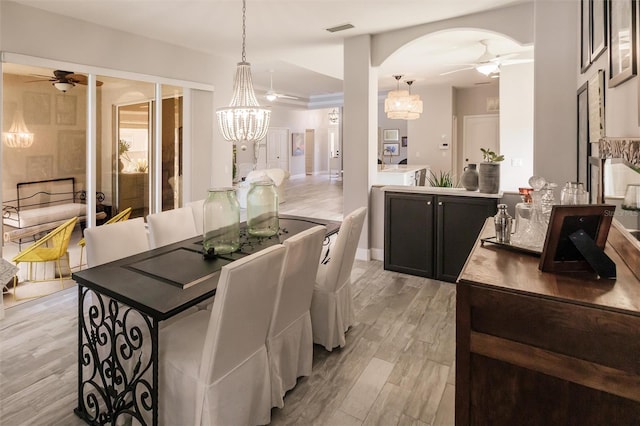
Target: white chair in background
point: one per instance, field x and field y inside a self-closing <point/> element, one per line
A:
<point x="214" y="368"/>
<point x="197" y="208"/>
<point x="114" y="241"/>
<point x="278" y="177"/>
<point x="290" y="339"/>
<point x="331" y="305"/>
<point x="171" y="226"/>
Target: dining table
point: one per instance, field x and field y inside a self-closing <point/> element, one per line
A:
<point x="123" y="304"/>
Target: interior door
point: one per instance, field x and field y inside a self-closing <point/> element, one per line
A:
<point x="278" y="148"/>
<point x="479" y="131"/>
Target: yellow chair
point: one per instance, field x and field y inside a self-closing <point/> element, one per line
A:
<point x="120" y="217"/>
<point x="50" y="248"/>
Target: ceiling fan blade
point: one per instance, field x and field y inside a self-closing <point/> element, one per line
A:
<point x="81" y="79"/>
<point x="278" y="95"/>
<point x="36" y="81"/>
<point x="457" y="70"/>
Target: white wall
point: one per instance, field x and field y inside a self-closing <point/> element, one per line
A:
<point x="386" y="123"/>
<point x="434" y="125"/>
<point x="516" y="125"/>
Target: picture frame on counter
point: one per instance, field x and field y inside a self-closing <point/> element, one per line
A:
<point x="622" y="41"/>
<point x="559" y="252"/>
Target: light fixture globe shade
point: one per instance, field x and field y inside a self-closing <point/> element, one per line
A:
<point x="244" y="119"/>
<point x="487" y="68"/>
<point x="63" y="86"/>
<point x="400" y="105"/>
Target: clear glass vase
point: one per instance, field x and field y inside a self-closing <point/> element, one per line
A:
<point x="262" y="208"/>
<point x="221" y="222"/>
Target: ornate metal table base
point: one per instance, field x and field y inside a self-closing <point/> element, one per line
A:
<point x="118" y="361"/>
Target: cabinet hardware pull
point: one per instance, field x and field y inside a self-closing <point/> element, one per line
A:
<point x="428" y="203"/>
<point x="439" y="203"/>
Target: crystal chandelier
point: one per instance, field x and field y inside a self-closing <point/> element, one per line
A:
<point x="401" y="104"/>
<point x="18" y="135"/>
<point x="244" y="120"/>
<point x="334" y="116"/>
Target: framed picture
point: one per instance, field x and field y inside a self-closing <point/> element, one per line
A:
<point x="404" y="141"/>
<point x="297" y="144"/>
<point x="493" y="104"/>
<point x="622" y="41"/>
<point x="71" y="151"/>
<point x="390" y="149"/>
<point x="585" y="35"/>
<point x="37" y="108"/>
<point x="559" y="253"/>
<point x="596" y="106"/>
<point x="391" y="135"/>
<point x="584" y="147"/>
<point x="66" y="110"/>
<point x="598" y="28"/>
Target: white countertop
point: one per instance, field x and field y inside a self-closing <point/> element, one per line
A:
<point x="400" y="168"/>
<point x="438" y="190"/>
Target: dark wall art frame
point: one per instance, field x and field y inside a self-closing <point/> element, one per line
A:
<point x="584" y="147"/>
<point x="585" y="35"/>
<point x="597" y="28"/>
<point x="622" y="41"/>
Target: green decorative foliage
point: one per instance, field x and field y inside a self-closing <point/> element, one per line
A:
<point x="442" y="179"/>
<point x="490" y="156"/>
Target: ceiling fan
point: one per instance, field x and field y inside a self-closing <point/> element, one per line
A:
<point x="271" y="95"/>
<point x="489" y="63"/>
<point x="64" y="80"/>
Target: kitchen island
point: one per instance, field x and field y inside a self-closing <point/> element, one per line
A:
<point x="401" y="174"/>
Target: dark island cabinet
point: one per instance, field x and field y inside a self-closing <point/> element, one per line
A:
<point x="431" y="235"/>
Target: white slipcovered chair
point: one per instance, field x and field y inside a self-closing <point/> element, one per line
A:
<point x="290" y="339"/>
<point x="213" y="367"/>
<point x="114" y="241"/>
<point x="278" y="177"/>
<point x="197" y="208"/>
<point x="171" y="226"/>
<point x="331" y="305"/>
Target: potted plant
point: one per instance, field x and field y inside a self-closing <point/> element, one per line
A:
<point x="123" y="148"/>
<point x="489" y="172"/>
<point x="442" y="179"/>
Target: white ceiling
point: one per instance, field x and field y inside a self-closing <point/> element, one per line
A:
<point x="290" y="37"/>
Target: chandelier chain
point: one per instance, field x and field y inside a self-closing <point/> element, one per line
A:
<point x="244" y="30"/>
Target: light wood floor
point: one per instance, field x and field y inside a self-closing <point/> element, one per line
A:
<point x="396" y="369"/>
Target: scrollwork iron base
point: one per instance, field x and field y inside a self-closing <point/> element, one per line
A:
<point x="117" y="362"/>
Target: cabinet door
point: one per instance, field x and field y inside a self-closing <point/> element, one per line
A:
<point x="408" y="233"/>
<point x="458" y="223"/>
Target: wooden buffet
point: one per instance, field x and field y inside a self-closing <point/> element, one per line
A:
<point x="536" y="348"/>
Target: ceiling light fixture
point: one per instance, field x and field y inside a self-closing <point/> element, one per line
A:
<point x="488" y="68"/>
<point x="401" y="104"/>
<point x="334" y="116"/>
<point x="63" y="86"/>
<point x="244" y="119"/>
<point x="18" y="135"/>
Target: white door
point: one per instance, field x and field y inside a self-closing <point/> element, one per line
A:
<point x="479" y="131"/>
<point x="278" y="148"/>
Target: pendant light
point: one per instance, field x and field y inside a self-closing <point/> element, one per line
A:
<point x="244" y="120"/>
<point x="18" y="135"/>
<point x="401" y="104"/>
<point x="334" y="116"/>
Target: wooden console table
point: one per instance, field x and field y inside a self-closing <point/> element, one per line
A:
<point x="537" y="348"/>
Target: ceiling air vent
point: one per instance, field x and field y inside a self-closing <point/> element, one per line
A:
<point x="340" y="28"/>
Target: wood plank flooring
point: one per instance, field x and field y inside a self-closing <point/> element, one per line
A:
<point x="396" y="369"/>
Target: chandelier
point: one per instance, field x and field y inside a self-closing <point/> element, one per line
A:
<point x="244" y="120"/>
<point x="334" y="116"/>
<point x="18" y="135"/>
<point x="401" y="104"/>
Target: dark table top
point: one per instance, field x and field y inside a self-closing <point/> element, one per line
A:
<point x="153" y="281"/>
